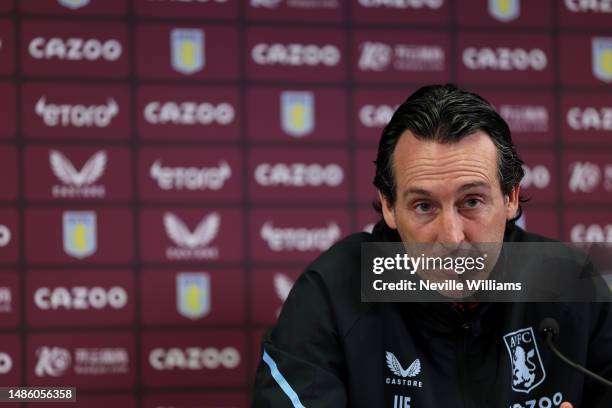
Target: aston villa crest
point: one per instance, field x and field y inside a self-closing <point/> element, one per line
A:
<point x="188" y="50"/>
<point x="74" y="4"/>
<point x="80" y="233"/>
<point x="505" y="10"/>
<point x="527" y="368"/>
<point x="193" y="294"/>
<point x="602" y="58"/>
<point x="297" y="113"/>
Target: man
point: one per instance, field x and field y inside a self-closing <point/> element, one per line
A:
<point x="446" y="172"/>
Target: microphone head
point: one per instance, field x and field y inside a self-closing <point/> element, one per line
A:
<point x="549" y="326"/>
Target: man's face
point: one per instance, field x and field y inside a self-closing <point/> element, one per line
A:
<point x="448" y="193"/>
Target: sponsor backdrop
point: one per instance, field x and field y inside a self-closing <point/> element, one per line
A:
<point x="168" y="167"/>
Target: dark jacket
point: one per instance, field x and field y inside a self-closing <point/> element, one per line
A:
<point x="328" y="349"/>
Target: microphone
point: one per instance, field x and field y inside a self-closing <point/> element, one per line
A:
<point x="549" y="329"/>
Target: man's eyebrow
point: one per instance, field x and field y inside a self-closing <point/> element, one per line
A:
<point x="474" y="184"/>
<point x="426" y="193"/>
<point x="417" y="191"/>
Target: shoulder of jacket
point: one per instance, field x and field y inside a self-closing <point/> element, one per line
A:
<point x="338" y="271"/>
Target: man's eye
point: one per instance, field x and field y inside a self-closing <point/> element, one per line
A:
<point x="422" y="208"/>
<point x="472" y="202"/>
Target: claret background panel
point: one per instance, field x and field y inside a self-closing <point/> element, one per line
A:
<point x="169" y="167"/>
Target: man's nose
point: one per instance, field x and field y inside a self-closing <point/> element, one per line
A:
<point x="450" y="228"/>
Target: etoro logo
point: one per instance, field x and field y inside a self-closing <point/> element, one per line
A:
<point x="295" y="54"/>
<point x="188" y="50"/>
<point x="194" y="358"/>
<point x="75" y="49"/>
<point x="192" y="245"/>
<point x="190" y="178"/>
<point x="52" y="361"/>
<point x="299" y="239"/>
<point x="78" y="183"/>
<point x="189" y="113"/>
<point x="78" y="115"/>
<point x="6" y="363"/>
<point x="80" y="298"/>
<point x="396" y="368"/>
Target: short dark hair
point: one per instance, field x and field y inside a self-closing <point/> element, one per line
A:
<point x="447" y="114"/>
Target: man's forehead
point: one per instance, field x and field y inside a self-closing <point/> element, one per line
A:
<point x="478" y="139"/>
<point x="470" y="160"/>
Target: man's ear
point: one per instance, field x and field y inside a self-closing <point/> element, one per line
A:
<point x="512" y="203"/>
<point x="387" y="210"/>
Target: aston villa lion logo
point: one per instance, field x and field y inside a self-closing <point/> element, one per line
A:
<point x="193" y="294"/>
<point x="80" y="235"/>
<point x="187" y="50"/>
<point x="505" y="10"/>
<point x="527" y="368"/>
<point x="602" y="58"/>
<point x="297" y="113"/>
<point x="73" y="4"/>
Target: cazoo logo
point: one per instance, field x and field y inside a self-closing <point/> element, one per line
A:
<point x="296" y="54"/>
<point x="189" y="113"/>
<point x="75" y="49"/>
<point x="591" y="233"/>
<point x="504" y="59"/>
<point x="194" y="358"/>
<point x="80" y="298"/>
<point x="536" y="176"/>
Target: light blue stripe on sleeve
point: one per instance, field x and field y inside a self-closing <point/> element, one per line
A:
<point x="278" y="377"/>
